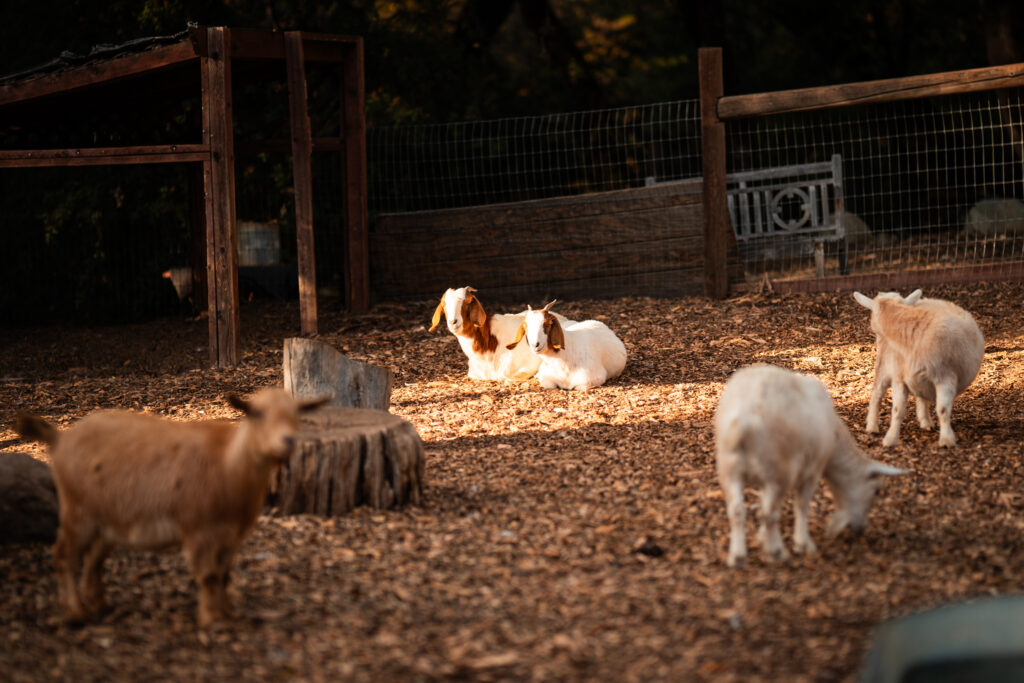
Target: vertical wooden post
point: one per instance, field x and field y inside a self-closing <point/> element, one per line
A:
<point x="353" y="127"/>
<point x="219" y="190"/>
<point x="717" y="227"/>
<point x="302" y="175"/>
<point x="197" y="235"/>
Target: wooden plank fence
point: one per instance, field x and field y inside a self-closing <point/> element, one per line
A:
<point x="645" y="241"/>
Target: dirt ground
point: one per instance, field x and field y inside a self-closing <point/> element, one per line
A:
<point x="565" y="535"/>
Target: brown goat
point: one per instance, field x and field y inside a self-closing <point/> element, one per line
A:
<point x="142" y="482"/>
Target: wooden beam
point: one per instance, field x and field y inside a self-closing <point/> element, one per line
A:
<point x="103" y="156"/>
<point x="99" y="72"/>
<point x="259" y="45"/>
<point x="717" y="228"/>
<point x="871" y="92"/>
<point x="302" y="175"/>
<point x="987" y="272"/>
<point x="353" y="126"/>
<point x="219" y="186"/>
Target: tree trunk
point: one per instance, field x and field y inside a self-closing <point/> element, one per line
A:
<point x="313" y="368"/>
<point x="346" y="457"/>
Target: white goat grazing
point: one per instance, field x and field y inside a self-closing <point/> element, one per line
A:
<point x="778" y="429"/>
<point x="139" y="481"/>
<point x="574" y="355"/>
<point x="484" y="337"/>
<point x="932" y="347"/>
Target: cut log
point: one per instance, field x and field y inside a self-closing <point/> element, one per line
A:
<point x="346" y="457"/>
<point x="313" y="368"/>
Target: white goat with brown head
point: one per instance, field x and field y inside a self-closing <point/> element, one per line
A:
<point x="573" y="355"/>
<point x="931" y="347"/>
<point x="778" y="429"/>
<point x="484" y="337"/>
<point x="138" y="481"/>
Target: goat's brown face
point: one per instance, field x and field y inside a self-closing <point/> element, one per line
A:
<point x="273" y="414"/>
<point x="543" y="332"/>
<point x="462" y="310"/>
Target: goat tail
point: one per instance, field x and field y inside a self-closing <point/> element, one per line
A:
<point x="740" y="433"/>
<point x="36" y="428"/>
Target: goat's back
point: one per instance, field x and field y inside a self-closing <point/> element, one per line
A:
<point x="934" y="337"/>
<point x="129" y="469"/>
<point x="773" y="424"/>
<point x="594" y="338"/>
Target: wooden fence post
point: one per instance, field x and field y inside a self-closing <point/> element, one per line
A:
<point x="716" y="213"/>
<point x="353" y="130"/>
<point x="219" y="191"/>
<point x="302" y="178"/>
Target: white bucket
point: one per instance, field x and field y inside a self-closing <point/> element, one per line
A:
<point x="259" y="244"/>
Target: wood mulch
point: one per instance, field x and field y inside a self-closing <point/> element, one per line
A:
<point x="564" y="536"/>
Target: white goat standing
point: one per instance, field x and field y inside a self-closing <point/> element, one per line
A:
<point x="139" y="481"/>
<point x="931" y="347"/>
<point x="778" y="429"/>
<point x="484" y="337"/>
<point x="574" y="355"/>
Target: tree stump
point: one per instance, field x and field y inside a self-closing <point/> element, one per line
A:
<point x="346" y="457"/>
<point x="313" y="368"/>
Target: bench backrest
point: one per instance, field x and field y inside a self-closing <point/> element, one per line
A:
<point x="803" y="201"/>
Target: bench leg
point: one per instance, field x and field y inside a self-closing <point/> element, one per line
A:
<point x="844" y="258"/>
<point x="819" y="259"/>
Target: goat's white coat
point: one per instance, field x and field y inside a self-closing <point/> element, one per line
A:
<point x="778" y="429"/>
<point x="592" y="353"/>
<point x="929" y="347"/>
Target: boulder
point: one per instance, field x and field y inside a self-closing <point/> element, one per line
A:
<point x="28" y="500"/>
<point x="991" y="217"/>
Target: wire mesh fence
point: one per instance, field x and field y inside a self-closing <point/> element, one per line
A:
<point x="441" y="166"/>
<point x="929" y="183"/>
<point x="542" y="206"/>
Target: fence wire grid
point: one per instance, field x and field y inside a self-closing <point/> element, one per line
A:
<point x="927" y="183"/>
<point x="442" y="166"/>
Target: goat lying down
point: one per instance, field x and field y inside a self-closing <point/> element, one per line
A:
<point x="138" y="481"/>
<point x="778" y="429"/>
<point x="931" y="347"/>
<point x="484" y="337"/>
<point x="573" y="355"/>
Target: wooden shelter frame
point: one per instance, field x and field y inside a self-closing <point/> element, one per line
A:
<point x="214" y="50"/>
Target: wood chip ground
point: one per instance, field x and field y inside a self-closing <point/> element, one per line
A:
<point x="564" y="536"/>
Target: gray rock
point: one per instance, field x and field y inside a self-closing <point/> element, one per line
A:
<point x="28" y="500"/>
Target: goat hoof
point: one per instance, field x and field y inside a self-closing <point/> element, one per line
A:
<point x="805" y="549"/>
<point x="737" y="561"/>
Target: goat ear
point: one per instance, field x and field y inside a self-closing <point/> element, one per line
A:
<point x="913" y="297"/>
<point x="556" y="338"/>
<point x="477" y="316"/>
<point x="435" y="321"/>
<point x="307" y="404"/>
<point x="239" y="403"/>
<point x="519" y="336"/>
<point x="864" y="301"/>
<point x="877" y="469"/>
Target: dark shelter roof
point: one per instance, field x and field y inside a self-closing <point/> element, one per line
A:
<point x="70" y="60"/>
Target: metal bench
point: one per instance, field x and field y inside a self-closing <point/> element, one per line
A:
<point x="789" y="211"/>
